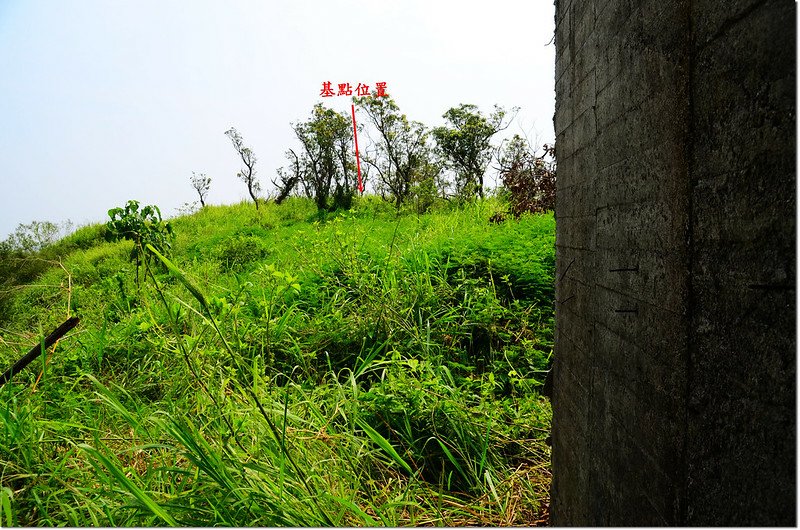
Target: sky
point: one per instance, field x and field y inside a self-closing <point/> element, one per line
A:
<point x="101" y="102"/>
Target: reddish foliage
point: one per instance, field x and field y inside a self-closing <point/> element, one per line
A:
<point x="529" y="179"/>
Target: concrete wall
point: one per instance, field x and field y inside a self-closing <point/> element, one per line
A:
<point x="674" y="380"/>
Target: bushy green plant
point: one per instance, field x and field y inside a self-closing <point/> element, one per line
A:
<point x="418" y="406"/>
<point x="143" y="227"/>
<point x="239" y="251"/>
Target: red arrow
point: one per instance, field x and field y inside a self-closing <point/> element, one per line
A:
<point x="358" y="160"/>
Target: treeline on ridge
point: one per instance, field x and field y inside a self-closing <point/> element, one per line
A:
<point x="404" y="161"/>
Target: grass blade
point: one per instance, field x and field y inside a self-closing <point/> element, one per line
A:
<point x="452" y="459"/>
<point x="5" y="503"/>
<point x="183" y="279"/>
<point x="96" y="456"/>
<point x="366" y="519"/>
<point x="384" y="444"/>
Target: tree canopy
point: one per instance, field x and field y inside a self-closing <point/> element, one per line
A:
<point x="400" y="153"/>
<point x="465" y="143"/>
<point x="326" y="166"/>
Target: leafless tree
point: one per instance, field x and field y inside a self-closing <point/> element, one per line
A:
<point x="248" y="173"/>
<point x="201" y="183"/>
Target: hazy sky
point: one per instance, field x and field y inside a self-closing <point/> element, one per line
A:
<point x="102" y="101"/>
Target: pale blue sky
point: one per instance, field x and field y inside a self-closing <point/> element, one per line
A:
<point x="105" y="101"/>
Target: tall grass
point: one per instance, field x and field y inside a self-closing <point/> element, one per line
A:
<point x="282" y="369"/>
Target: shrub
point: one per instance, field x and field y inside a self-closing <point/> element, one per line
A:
<point x="143" y="227"/>
<point x="239" y="250"/>
<point x="529" y="179"/>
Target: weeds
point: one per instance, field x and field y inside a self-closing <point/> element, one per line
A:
<point x="367" y="369"/>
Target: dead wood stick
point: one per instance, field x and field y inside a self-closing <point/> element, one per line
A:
<point x="37" y="350"/>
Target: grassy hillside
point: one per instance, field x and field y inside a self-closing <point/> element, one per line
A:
<point x="361" y="369"/>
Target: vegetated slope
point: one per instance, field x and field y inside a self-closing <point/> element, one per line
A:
<point x="363" y="369"/>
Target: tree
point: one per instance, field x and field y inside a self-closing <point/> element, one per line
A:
<point x="289" y="178"/>
<point x="431" y="185"/>
<point x="529" y="179"/>
<point x="400" y="155"/>
<point x="326" y="167"/>
<point x="248" y="174"/>
<point x="465" y="143"/>
<point x="33" y="237"/>
<point x="201" y="183"/>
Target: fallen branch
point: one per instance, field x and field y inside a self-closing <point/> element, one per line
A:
<point x="37" y="350"/>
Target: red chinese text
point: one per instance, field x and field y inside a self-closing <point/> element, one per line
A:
<point x="326" y="90"/>
<point x="346" y="89"/>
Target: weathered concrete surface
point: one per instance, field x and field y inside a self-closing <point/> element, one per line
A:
<point x="674" y="381"/>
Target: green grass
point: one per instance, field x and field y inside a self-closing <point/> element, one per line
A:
<point x="279" y="368"/>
